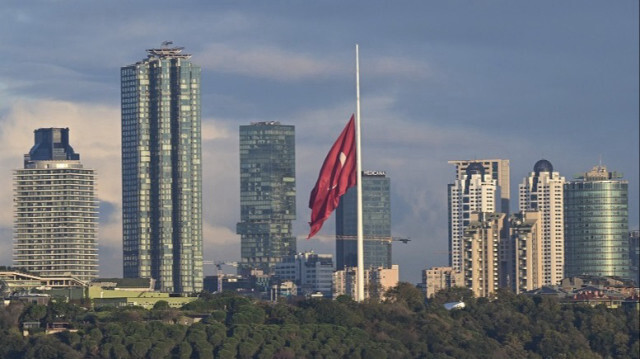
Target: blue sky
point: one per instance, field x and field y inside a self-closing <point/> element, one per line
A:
<point x="439" y="81"/>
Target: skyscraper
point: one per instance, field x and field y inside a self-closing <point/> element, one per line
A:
<point x="543" y="191"/>
<point x="161" y="171"/>
<point x="56" y="214"/>
<point x="472" y="192"/>
<point x="597" y="225"/>
<point x="376" y="223"/>
<point x="496" y="169"/>
<point x="267" y="194"/>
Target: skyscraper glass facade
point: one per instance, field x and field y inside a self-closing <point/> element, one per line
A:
<point x="161" y="171"/>
<point x="596" y="225"/>
<point x="376" y="222"/>
<point x="56" y="214"/>
<point x="267" y="194"/>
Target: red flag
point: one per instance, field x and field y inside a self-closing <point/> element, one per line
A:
<point x="338" y="173"/>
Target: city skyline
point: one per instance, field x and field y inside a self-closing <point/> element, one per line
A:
<point x="440" y="82"/>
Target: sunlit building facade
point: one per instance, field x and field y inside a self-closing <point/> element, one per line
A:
<point x="162" y="171"/>
<point x="481" y="253"/>
<point x="525" y="231"/>
<point x="56" y="212"/>
<point x="473" y="192"/>
<point x="543" y="191"/>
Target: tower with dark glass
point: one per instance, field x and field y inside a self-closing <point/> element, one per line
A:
<point x="161" y="171"/>
<point x="376" y="223"/>
<point x="267" y="194"/>
<point x="597" y="225"/>
<point x="56" y="213"/>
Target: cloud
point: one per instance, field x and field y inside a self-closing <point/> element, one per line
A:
<point x="265" y="62"/>
<point x="398" y="67"/>
<point x="284" y="65"/>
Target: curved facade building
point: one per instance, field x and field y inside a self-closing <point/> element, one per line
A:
<point x="596" y="225"/>
<point x="56" y="212"/>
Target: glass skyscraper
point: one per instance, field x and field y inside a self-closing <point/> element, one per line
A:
<point x="56" y="214"/>
<point x="596" y="225"/>
<point x="267" y="194"/>
<point x="376" y="223"/>
<point x="161" y="171"/>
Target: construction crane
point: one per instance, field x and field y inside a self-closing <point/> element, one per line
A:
<point x="404" y="240"/>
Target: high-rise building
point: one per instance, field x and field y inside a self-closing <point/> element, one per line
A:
<point x="543" y="191"/>
<point x="597" y="225"/>
<point x="267" y="194"/>
<point x="435" y="279"/>
<point x="634" y="253"/>
<point x="376" y="223"/>
<point x="525" y="231"/>
<point x="311" y="272"/>
<point x="56" y="212"/>
<point x="473" y="192"/>
<point x="481" y="260"/>
<point x="497" y="170"/>
<point x="162" y="171"/>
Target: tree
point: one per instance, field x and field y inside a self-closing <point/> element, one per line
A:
<point x="406" y="294"/>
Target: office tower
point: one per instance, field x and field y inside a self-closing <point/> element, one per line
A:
<point x="436" y="279"/>
<point x="312" y="273"/>
<point x="473" y="192"/>
<point x="56" y="212"/>
<point x="376" y="223"/>
<point x="596" y="225"/>
<point x="481" y="259"/>
<point x="497" y="170"/>
<point x="634" y="254"/>
<point x="161" y="171"/>
<point x="267" y="194"/>
<point x="526" y="233"/>
<point x="543" y="191"/>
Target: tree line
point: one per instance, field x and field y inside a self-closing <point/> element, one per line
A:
<point x="404" y="326"/>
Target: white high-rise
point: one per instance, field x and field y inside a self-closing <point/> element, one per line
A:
<point x="543" y="191"/>
<point x="56" y="213"/>
<point x="472" y="192"/>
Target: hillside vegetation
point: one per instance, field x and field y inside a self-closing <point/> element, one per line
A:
<point x="402" y="327"/>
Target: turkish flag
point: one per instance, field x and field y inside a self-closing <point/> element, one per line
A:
<point x="338" y="173"/>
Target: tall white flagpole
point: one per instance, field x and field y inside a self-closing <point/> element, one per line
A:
<point x="360" y="242"/>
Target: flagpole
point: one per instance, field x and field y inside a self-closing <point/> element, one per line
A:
<point x="360" y="241"/>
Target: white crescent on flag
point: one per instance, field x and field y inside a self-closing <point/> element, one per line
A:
<point x="342" y="158"/>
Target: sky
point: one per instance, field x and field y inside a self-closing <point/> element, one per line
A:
<point x="440" y="81"/>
